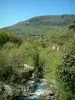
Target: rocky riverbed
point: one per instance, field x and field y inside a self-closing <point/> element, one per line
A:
<point x="30" y="91"/>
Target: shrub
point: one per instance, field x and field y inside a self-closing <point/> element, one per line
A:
<point x="66" y="74"/>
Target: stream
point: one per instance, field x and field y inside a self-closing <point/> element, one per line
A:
<point x="39" y="90"/>
<point x="41" y="93"/>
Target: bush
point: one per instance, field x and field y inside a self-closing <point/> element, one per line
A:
<point x="3" y="38"/>
<point x="66" y="74"/>
<point x="72" y="26"/>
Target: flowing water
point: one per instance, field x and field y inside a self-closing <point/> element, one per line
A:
<point x="41" y="93"/>
<point x="39" y="90"/>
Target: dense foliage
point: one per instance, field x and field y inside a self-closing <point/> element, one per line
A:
<point x="66" y="74"/>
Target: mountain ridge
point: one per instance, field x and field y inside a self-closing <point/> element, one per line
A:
<point x="41" y="24"/>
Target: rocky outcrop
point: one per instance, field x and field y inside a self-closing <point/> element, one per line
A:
<point x="48" y="95"/>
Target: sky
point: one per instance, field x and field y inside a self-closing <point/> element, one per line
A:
<point x="13" y="11"/>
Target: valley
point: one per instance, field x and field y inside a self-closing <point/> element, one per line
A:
<point x="37" y="59"/>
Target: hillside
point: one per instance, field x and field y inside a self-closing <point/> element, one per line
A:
<point x="41" y="25"/>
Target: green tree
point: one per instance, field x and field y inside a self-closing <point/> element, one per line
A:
<point x="66" y="74"/>
<point x="72" y="26"/>
<point x="3" y="38"/>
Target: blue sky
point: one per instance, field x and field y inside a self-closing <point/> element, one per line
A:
<point x="13" y="11"/>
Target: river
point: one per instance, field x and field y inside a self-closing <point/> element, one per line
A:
<point x="39" y="91"/>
